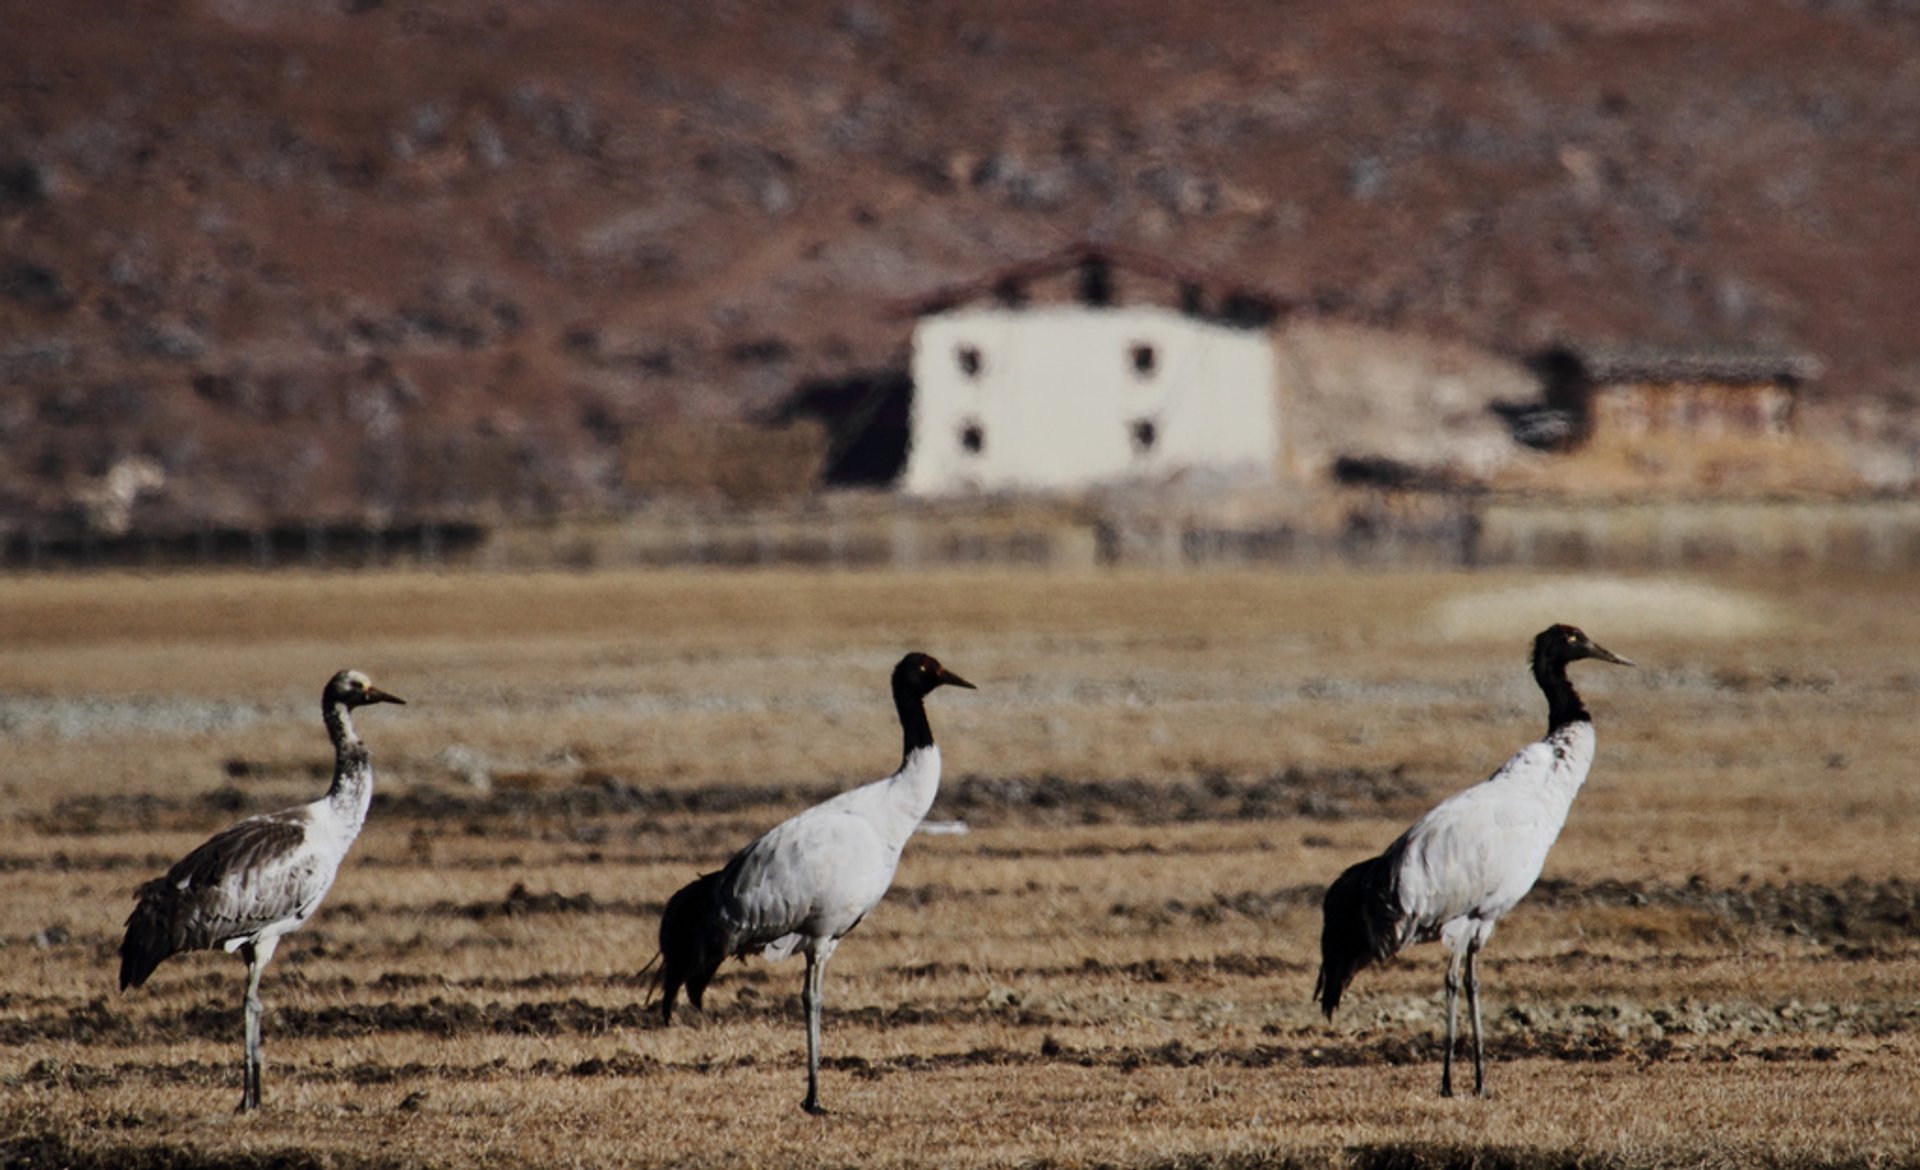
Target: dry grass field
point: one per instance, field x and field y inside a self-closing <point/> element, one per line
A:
<point x="1111" y="966"/>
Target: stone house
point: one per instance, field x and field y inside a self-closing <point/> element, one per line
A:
<point x="1091" y="366"/>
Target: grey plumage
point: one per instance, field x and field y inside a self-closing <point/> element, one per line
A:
<point x="261" y="878"/>
<point x="196" y="905"/>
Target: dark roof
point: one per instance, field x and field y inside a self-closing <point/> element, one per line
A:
<point x="1630" y="362"/>
<point x="1203" y="293"/>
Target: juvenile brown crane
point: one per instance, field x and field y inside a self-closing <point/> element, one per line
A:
<point x="260" y="878"/>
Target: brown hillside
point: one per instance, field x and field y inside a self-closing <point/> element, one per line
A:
<point x="391" y="257"/>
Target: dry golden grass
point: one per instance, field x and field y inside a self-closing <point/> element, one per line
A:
<point x="1160" y="774"/>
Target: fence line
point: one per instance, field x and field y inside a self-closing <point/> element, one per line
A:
<point x="313" y="545"/>
<point x="1367" y="529"/>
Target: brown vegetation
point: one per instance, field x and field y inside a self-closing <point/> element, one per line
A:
<point x="1111" y="967"/>
<point x="726" y="462"/>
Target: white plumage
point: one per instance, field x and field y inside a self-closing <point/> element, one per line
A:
<point x="261" y="878"/>
<point x="809" y="880"/>
<point x="1471" y="859"/>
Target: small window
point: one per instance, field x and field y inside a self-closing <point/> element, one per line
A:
<point x="1096" y="283"/>
<point x="973" y="437"/>
<point x="969" y="359"/>
<point x="1144" y="433"/>
<point x="1145" y="359"/>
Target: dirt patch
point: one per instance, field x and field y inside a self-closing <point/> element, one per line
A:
<point x="521" y="903"/>
<point x="1329" y="794"/>
<point x="1441" y="1156"/>
<point x="38" y="1151"/>
<point x="1854" y="914"/>
<point x="1859" y="918"/>
<point x="1326" y="794"/>
<point x="585" y="802"/>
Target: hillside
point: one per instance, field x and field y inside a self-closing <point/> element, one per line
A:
<point x="392" y="257"/>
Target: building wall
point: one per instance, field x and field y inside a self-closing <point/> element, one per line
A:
<point x="1064" y="397"/>
<point x="1706" y="409"/>
<point x="1425" y="401"/>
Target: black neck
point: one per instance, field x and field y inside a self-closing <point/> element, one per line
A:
<point x="348" y="752"/>
<point x="1563" y="702"/>
<point x="914" y="728"/>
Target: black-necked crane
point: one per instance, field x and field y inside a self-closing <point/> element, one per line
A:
<point x="809" y="880"/>
<point x="260" y="878"/>
<point x="1469" y="860"/>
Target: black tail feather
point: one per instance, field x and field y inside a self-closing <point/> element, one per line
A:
<point x="1360" y="925"/>
<point x="692" y="945"/>
<point x="152" y="934"/>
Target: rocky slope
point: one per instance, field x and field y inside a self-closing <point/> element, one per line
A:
<point x="393" y="257"/>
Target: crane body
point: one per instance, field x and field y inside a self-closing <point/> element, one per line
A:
<point x="1458" y="869"/>
<point x="259" y="879"/>
<point x="806" y="882"/>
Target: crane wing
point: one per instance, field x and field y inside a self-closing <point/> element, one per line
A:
<point x="816" y="874"/>
<point x="1479" y="851"/>
<point x="246" y="877"/>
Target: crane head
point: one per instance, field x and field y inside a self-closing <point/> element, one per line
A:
<point x="1570" y="644"/>
<point x="354" y="689"/>
<point x="918" y="674"/>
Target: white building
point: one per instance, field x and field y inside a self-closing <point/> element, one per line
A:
<point x="1013" y="395"/>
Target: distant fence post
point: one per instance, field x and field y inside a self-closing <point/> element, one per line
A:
<point x="836" y="541"/>
<point x="906" y="540"/>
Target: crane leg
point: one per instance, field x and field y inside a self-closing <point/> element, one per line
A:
<point x="1473" y="1009"/>
<point x="1453" y="999"/>
<point x="250" y="1072"/>
<point x="810" y="998"/>
<point x="257" y="954"/>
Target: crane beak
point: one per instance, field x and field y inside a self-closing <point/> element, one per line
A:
<point x="376" y="695"/>
<point x="948" y="678"/>
<point x="1595" y="650"/>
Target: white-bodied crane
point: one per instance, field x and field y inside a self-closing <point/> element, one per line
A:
<point x="1469" y="860"/>
<point x="809" y="880"/>
<point x="260" y="878"/>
